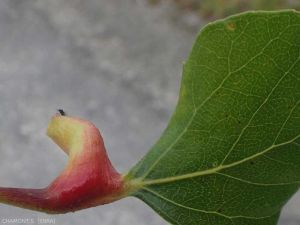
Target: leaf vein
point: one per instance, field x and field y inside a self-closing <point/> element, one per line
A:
<point x="200" y="210"/>
<point x="256" y="183"/>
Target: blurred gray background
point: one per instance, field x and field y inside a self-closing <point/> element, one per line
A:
<point x="116" y="63"/>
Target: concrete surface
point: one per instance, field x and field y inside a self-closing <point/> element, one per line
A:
<point x="116" y="63"/>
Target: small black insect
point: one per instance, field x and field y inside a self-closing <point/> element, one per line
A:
<point x="62" y="112"/>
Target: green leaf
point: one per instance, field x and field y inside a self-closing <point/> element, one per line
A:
<point x="231" y="152"/>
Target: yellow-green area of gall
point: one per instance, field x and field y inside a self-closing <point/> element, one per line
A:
<point x="67" y="133"/>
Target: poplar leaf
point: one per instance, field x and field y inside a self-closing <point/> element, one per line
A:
<point x="230" y="154"/>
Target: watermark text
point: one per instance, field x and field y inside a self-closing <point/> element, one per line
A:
<point x="38" y="220"/>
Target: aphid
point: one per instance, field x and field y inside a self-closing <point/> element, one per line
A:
<point x="62" y="112"/>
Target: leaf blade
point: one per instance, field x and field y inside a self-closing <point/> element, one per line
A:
<point x="237" y="118"/>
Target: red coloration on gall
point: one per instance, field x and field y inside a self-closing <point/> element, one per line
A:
<point x="88" y="180"/>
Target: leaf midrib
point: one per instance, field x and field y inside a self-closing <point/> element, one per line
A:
<point x="142" y="183"/>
